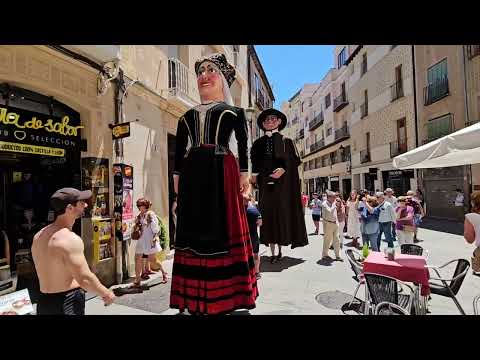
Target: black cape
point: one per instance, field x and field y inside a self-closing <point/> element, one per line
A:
<point x="280" y="204"/>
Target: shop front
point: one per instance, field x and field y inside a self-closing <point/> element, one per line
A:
<point x="334" y="183"/>
<point x="40" y="151"/>
<point x="398" y="180"/>
<point x="440" y="186"/>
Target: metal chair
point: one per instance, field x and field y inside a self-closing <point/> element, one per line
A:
<point x="383" y="288"/>
<point x="449" y="287"/>
<point x="357" y="269"/>
<point x="388" y="308"/>
<point x="411" y="249"/>
<point x="476" y="300"/>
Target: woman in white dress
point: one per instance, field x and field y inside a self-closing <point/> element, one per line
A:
<point x="472" y="230"/>
<point x="148" y="245"/>
<point x="353" y="221"/>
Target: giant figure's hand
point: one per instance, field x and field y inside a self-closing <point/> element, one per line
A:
<point x="278" y="173"/>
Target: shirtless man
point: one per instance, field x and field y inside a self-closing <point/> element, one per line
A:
<point x="61" y="266"/>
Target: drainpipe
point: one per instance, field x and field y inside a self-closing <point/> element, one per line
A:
<point x="415" y="112"/>
<point x="468" y="168"/>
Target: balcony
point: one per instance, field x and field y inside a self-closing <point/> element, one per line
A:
<point x="342" y="133"/>
<point x="363" y="110"/>
<point x="98" y="53"/>
<point x="260" y="101"/>
<point x="316" y="122"/>
<point x="396" y="90"/>
<point x="365" y="156"/>
<point x="397" y="148"/>
<point x="294" y="120"/>
<point x="473" y="50"/>
<point x="318" y="145"/>
<point x="300" y="134"/>
<point x="340" y="102"/>
<point x="438" y="128"/>
<point x="363" y="68"/>
<point x="471" y="122"/>
<point x="435" y="91"/>
<point x="182" y="83"/>
<point x="240" y="64"/>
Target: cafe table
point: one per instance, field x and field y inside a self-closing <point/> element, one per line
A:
<point x="404" y="267"/>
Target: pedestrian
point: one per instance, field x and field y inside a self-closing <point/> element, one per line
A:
<point x="404" y="223"/>
<point x="316" y="206"/>
<point x="275" y="159"/>
<point x="353" y="221"/>
<point x="341" y="218"/>
<point x="304" y="202"/>
<point x="386" y="220"/>
<point x="471" y="230"/>
<point x="459" y="203"/>
<point x="390" y="197"/>
<point x="58" y="255"/>
<point x="418" y="211"/>
<point x="330" y="227"/>
<point x="213" y="268"/>
<point x="148" y="244"/>
<point x="370" y="225"/>
<point x="254" y="219"/>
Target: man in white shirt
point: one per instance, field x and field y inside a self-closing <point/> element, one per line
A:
<point x="385" y="219"/>
<point x="392" y="200"/>
<point x="330" y="227"/>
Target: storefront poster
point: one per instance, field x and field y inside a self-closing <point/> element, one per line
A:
<point x="16" y="303"/>
<point x="95" y="176"/>
<point x="29" y="132"/>
<point x="123" y="201"/>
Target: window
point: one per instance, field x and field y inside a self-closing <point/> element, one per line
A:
<point x="437" y="72"/>
<point x="328" y="101"/>
<point x="302" y="106"/>
<point x="342" y="56"/>
<point x="257" y="86"/>
<point x="364" y="64"/>
<point x="329" y="131"/>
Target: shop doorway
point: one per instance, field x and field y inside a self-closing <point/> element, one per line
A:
<point x="347" y="187"/>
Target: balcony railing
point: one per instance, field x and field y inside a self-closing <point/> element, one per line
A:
<point x="363" y="110"/>
<point x="397" y="148"/>
<point x="473" y="50"/>
<point x="316" y="122"/>
<point x="318" y="145"/>
<point x="435" y="91"/>
<point x="260" y="100"/>
<point x="340" y="102"/>
<point x="396" y="90"/>
<point x="182" y="82"/>
<point x="341" y="133"/>
<point x="300" y="134"/>
<point x="363" y="69"/>
<point x="240" y="64"/>
<point x="471" y="122"/>
<point x="439" y="127"/>
<point x="364" y="156"/>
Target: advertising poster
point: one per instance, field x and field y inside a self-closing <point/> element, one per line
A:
<point x="95" y="178"/>
<point x="16" y="303"/>
<point x="123" y="201"/>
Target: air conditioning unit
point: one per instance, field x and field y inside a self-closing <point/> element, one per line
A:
<point x="98" y="53"/>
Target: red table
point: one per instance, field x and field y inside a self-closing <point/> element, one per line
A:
<point x="409" y="268"/>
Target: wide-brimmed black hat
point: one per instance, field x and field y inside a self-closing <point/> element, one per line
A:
<point x="279" y="114"/>
<point x="221" y="62"/>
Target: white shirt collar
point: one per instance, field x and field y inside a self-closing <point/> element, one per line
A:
<point x="271" y="132"/>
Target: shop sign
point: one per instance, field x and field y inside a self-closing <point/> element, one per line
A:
<point x="25" y="131"/>
<point x="334" y="178"/>
<point x="120" y="131"/>
<point x="395" y="173"/>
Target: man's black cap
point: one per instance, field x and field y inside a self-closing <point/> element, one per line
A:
<point x="63" y="197"/>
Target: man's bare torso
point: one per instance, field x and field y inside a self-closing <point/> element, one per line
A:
<point x="48" y="250"/>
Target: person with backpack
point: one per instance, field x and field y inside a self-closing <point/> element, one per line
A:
<point x="146" y="230"/>
<point x="418" y="212"/>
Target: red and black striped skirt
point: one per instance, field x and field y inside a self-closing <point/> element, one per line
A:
<point x="213" y="268"/>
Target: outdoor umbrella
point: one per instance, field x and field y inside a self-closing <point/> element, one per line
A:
<point x="459" y="148"/>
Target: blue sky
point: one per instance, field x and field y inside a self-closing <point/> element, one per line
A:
<point x="288" y="67"/>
